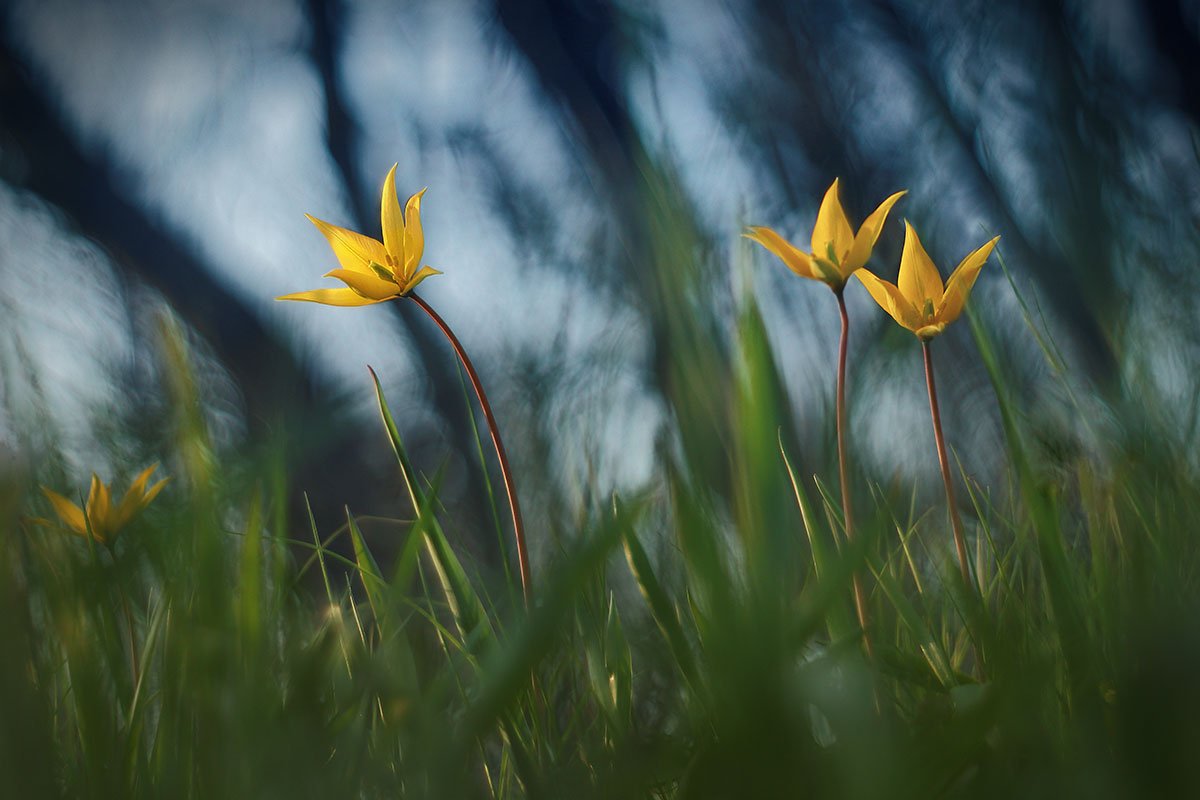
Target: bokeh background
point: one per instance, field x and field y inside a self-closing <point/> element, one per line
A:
<point x="590" y="167"/>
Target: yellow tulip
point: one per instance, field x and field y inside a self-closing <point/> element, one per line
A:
<point x="918" y="300"/>
<point x="375" y="271"/>
<point x="104" y="519"/>
<point x="837" y="252"/>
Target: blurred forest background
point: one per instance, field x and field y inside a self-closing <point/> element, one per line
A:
<point x="590" y="167"/>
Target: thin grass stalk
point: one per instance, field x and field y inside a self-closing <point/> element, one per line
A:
<point x="860" y="595"/>
<point x="514" y="505"/>
<point x="960" y="542"/>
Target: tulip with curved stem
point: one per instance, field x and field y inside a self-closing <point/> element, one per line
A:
<point x="494" y="429"/>
<point x="376" y="272"/>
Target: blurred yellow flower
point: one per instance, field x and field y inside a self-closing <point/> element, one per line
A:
<point x="921" y="302"/>
<point x="836" y="250"/>
<point x="375" y="271"/>
<point x="103" y="517"/>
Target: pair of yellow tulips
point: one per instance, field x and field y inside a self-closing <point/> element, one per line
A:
<point x="918" y="300"/>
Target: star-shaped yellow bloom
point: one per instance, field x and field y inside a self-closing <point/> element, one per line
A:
<point x="375" y="271"/>
<point x="103" y="517"/>
<point x="836" y="250"/>
<point x="920" y="302"/>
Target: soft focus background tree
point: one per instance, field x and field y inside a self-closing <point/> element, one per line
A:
<point x="590" y="165"/>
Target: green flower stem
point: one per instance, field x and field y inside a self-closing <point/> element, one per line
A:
<point x="514" y="505"/>
<point x="860" y="595"/>
<point x="960" y="542"/>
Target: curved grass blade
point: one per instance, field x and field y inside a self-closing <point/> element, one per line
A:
<point x="468" y="610"/>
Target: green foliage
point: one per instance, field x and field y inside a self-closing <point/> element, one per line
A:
<point x="719" y="658"/>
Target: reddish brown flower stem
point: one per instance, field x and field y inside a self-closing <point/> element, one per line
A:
<point x="960" y="542"/>
<point x="505" y="469"/>
<point x="860" y="595"/>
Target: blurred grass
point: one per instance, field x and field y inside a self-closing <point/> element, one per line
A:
<point x="193" y="659"/>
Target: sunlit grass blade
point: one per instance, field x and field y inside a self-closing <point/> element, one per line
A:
<point x="493" y="507"/>
<point x="838" y="621"/>
<point x="372" y="580"/>
<point x="468" y="610"/>
<point x="662" y="610"/>
<point x="937" y="660"/>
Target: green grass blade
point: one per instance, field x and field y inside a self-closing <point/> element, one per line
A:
<point x="468" y="610"/>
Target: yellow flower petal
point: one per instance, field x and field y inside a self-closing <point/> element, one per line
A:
<point x="139" y="482"/>
<point x="958" y="288"/>
<point x="890" y="299"/>
<point x="371" y="286"/>
<point x="868" y="234"/>
<point x="99" y="508"/>
<point x="392" y="222"/>
<point x="424" y="273"/>
<point x="70" y="514"/>
<point x="919" y="279"/>
<point x="796" y="260"/>
<point x="331" y="297"/>
<point x="414" y="236"/>
<point x="153" y="491"/>
<point x="136" y="498"/>
<point x="353" y="250"/>
<point x="832" y="228"/>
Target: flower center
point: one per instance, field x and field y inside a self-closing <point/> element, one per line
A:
<point x="382" y="271"/>
<point x="928" y="308"/>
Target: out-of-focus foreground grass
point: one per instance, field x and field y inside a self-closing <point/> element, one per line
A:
<point x="194" y="658"/>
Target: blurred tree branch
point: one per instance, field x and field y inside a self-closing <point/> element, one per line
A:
<point x="667" y="266"/>
<point x="1178" y="40"/>
<point x="49" y="163"/>
<point x="1059" y="278"/>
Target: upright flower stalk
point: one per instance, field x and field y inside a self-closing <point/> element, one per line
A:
<point x="860" y="595"/>
<point x="837" y="253"/>
<point x="920" y="302"/>
<point x="375" y="272"/>
<point x="960" y="541"/>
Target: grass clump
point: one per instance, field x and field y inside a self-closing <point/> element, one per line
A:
<point x="696" y="639"/>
